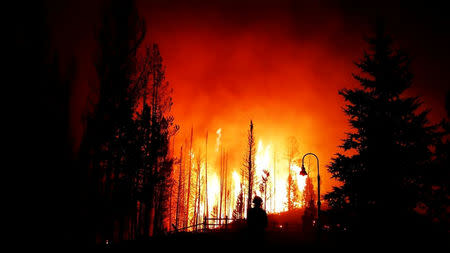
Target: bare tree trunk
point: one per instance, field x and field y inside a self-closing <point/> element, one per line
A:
<point x="189" y="180"/>
<point x="250" y="166"/>
<point x="221" y="185"/>
<point x="179" y="189"/>
<point x="199" y="188"/>
<point x="226" y="181"/>
<point x="274" y="180"/>
<point x="206" y="177"/>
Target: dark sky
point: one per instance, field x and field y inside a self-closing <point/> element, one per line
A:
<point x="280" y="63"/>
<point x="420" y="29"/>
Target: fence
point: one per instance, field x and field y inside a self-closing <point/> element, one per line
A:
<point x="209" y="224"/>
<point x="224" y="224"/>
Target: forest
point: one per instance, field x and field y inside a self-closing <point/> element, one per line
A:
<point x="137" y="173"/>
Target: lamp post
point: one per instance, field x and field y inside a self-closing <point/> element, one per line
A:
<point x="303" y="173"/>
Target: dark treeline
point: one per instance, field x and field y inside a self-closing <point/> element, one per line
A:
<point x="43" y="184"/>
<point x="116" y="186"/>
<point x="395" y="177"/>
<point x="124" y="155"/>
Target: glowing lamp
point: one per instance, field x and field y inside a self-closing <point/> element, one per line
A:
<point x="303" y="171"/>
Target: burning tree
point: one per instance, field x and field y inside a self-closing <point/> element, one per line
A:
<point x="188" y="197"/>
<point x="263" y="186"/>
<point x="292" y="191"/>
<point x="198" y="184"/>
<point x="309" y="204"/>
<point x="308" y="197"/>
<point x="223" y="183"/>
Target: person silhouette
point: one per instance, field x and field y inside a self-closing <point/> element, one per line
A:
<point x="257" y="220"/>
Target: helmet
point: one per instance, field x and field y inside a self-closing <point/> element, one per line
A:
<point x="257" y="201"/>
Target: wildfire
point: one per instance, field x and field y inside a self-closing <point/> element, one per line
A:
<point x="224" y="184"/>
<point x="276" y="191"/>
<point x="301" y="180"/>
<point x="236" y="186"/>
<point x="218" y="141"/>
<point x="265" y="160"/>
<point x="213" y="190"/>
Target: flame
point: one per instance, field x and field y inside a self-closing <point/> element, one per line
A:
<point x="280" y="195"/>
<point x="264" y="160"/>
<point x="301" y="180"/>
<point x="218" y="139"/>
<point x="213" y="190"/>
<point x="236" y="184"/>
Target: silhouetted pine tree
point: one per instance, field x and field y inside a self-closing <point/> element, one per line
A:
<point x="382" y="176"/>
<point x="155" y="128"/>
<point x="108" y="152"/>
<point x="162" y="129"/>
<point x="249" y="165"/>
<point x="436" y="198"/>
<point x="291" y="184"/>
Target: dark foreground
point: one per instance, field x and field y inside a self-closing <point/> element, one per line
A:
<point x="275" y="241"/>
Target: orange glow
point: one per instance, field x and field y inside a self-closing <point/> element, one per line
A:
<point x="301" y="180"/>
<point x="223" y="75"/>
<point x="213" y="190"/>
<point x="264" y="160"/>
<point x="236" y="186"/>
<point x="260" y="73"/>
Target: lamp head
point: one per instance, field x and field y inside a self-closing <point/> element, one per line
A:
<point x="303" y="171"/>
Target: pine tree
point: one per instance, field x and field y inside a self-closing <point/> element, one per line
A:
<point x="308" y="197"/>
<point x="291" y="186"/>
<point x="108" y="152"/>
<point x="435" y="197"/>
<point x="250" y="165"/>
<point x="309" y="204"/>
<point x="292" y="193"/>
<point x="162" y="129"/>
<point x="381" y="175"/>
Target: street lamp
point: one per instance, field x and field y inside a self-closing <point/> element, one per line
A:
<point x="303" y="173"/>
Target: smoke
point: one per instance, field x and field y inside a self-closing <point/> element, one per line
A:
<point x="280" y="63"/>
